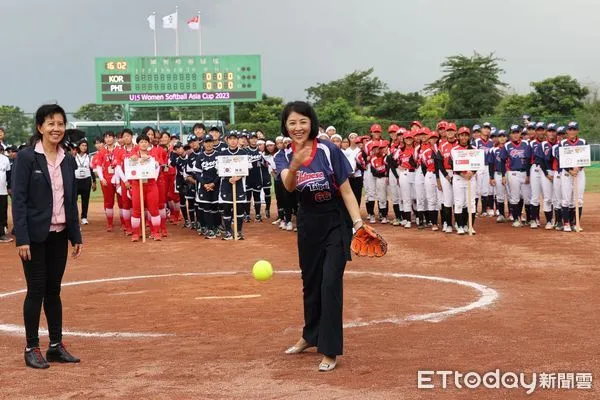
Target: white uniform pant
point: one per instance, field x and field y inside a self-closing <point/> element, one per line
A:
<point x="540" y="185"/>
<point x="459" y="186"/>
<point x="431" y="191"/>
<point x="526" y="192"/>
<point x="407" y="181"/>
<point x="381" y="185"/>
<point x="557" y="190"/>
<point x="420" y="195"/>
<point x="567" y="188"/>
<point x="500" y="188"/>
<point x="483" y="183"/>
<point x="394" y="186"/>
<point x="447" y="193"/>
<point x="516" y="186"/>
<point x="369" y="185"/>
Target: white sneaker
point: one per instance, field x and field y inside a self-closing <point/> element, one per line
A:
<point x="84" y="221"/>
<point x="444" y="226"/>
<point x="282" y="224"/>
<point x="484" y="214"/>
<point x="517" y="224"/>
<point x="435" y="228"/>
<point x="567" y="228"/>
<point x="396" y="222"/>
<point x="403" y="222"/>
<point x="497" y="212"/>
<point x="384" y="220"/>
<point x="460" y="231"/>
<point x="276" y="222"/>
<point x="372" y="219"/>
<point x="533" y="224"/>
<point x="448" y="229"/>
<point x="500" y="219"/>
<point x="289" y="226"/>
<point x="549" y="226"/>
<point x="407" y="225"/>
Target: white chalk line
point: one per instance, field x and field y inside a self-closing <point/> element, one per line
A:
<point x="487" y="297"/>
<point x="128" y="293"/>
<point x="242" y="296"/>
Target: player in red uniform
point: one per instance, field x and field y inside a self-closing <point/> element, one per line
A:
<point x="105" y="162"/>
<point x="122" y="152"/>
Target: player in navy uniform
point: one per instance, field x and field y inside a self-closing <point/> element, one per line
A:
<point x="254" y="181"/>
<point x="266" y="167"/>
<point x="483" y="179"/>
<point x="494" y="163"/>
<point x="191" y="179"/>
<point x="218" y="144"/>
<point x="226" y="192"/>
<point x="318" y="171"/>
<point x="184" y="188"/>
<point x="568" y="180"/>
<point x="208" y="186"/>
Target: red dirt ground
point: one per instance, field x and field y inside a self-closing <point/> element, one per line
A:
<point x="545" y="319"/>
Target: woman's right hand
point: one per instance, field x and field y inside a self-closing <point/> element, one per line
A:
<point x="24" y="252"/>
<point x="301" y="156"/>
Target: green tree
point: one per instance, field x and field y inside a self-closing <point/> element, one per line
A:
<point x="99" y="112"/>
<point x="268" y="109"/>
<point x="435" y="107"/>
<point x="514" y="106"/>
<point x="18" y="126"/>
<point x="338" y="113"/>
<point x="360" y="89"/>
<point x="561" y="96"/>
<point x="473" y="84"/>
<point x="589" y="120"/>
<point x="149" y="113"/>
<point x="399" y="106"/>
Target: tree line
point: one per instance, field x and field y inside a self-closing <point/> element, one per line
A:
<point x="469" y="90"/>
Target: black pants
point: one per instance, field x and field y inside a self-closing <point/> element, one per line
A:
<point x="3" y="214"/>
<point x="322" y="262"/>
<point x="356" y="183"/>
<point x="228" y="216"/>
<point x="84" y="187"/>
<point x="43" y="274"/>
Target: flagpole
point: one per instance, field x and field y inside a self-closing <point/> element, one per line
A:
<point x="199" y="33"/>
<point x="155" y="44"/>
<point x="177" y="30"/>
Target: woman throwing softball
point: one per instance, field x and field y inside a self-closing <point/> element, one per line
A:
<point x="318" y="171"/>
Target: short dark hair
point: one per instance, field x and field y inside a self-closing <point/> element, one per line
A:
<point x="109" y="133"/>
<point x="187" y="147"/>
<point x="147" y="129"/>
<point x="303" y="108"/>
<point x="142" y="137"/>
<point x="165" y="133"/>
<point x="127" y="130"/>
<point x="45" y="111"/>
<point x="198" y="125"/>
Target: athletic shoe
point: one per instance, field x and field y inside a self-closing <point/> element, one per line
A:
<point x="34" y="359"/>
<point x="460" y="231"/>
<point x="497" y="213"/>
<point x="511" y="219"/>
<point x="500" y="219"/>
<point x="517" y="224"/>
<point x="164" y="234"/>
<point x="407" y="225"/>
<point x="372" y="219"/>
<point x="60" y="354"/>
<point x="156" y="238"/>
<point x="84" y="221"/>
<point x="240" y="236"/>
<point x="403" y="222"/>
<point x="448" y="229"/>
<point x="247" y="218"/>
<point x="533" y="224"/>
<point x="567" y="228"/>
<point x="421" y="227"/>
<point x="135" y="238"/>
<point x="435" y="228"/>
<point x="276" y="222"/>
<point x="430" y="224"/>
<point x="384" y="220"/>
<point x="109" y="228"/>
<point x="559" y="226"/>
<point x="455" y="226"/>
<point x="5" y="239"/>
<point x="187" y="224"/>
<point x="258" y="218"/>
<point x="267" y="214"/>
<point x="227" y="236"/>
<point x="396" y="222"/>
<point x="282" y="224"/>
<point x="549" y="226"/>
<point x="289" y="226"/>
<point x="210" y="235"/>
<point x="295" y="229"/>
<point x="484" y="214"/>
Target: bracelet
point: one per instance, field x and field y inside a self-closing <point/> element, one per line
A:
<point x="357" y="221"/>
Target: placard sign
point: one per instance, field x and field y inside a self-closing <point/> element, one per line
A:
<point x="140" y="169"/>
<point x="575" y="156"/>
<point x="233" y="165"/>
<point x="468" y="160"/>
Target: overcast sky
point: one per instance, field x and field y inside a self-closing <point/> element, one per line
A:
<point x="48" y="47"/>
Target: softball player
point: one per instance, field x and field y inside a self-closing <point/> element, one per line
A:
<point x="542" y="174"/>
<point x="445" y="167"/>
<point x="515" y="159"/>
<point x="420" y="196"/>
<point x="429" y="158"/>
<point x="121" y="153"/>
<point x="208" y="186"/>
<point x="368" y="178"/>
<point x="483" y="176"/>
<point x="190" y="176"/>
<point x="379" y="169"/>
<point x="105" y="170"/>
<point x="254" y="180"/>
<point x="495" y="164"/>
<point x="396" y="133"/>
<point x="404" y="158"/>
<point x="460" y="182"/>
<point x="556" y="182"/>
<point x="226" y="192"/>
<point x="568" y="178"/>
<point x="266" y="170"/>
<point x="179" y="163"/>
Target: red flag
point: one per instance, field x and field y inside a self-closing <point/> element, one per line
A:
<point x="194" y="23"/>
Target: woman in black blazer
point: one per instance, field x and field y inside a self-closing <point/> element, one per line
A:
<point x="44" y="207"/>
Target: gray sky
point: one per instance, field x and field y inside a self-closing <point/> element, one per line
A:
<point x="48" y="47"/>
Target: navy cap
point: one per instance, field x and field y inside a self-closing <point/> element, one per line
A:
<point x="573" y="125"/>
<point x="525" y="131"/>
<point x="252" y="135"/>
<point x="192" y="138"/>
<point x="561" y="130"/>
<point x="494" y="132"/>
<point x="208" y="138"/>
<point x="177" y="145"/>
<point x="214" y="129"/>
<point x="487" y="125"/>
<point x="476" y="128"/>
<point x="232" y="134"/>
<point x="515" y="128"/>
<point x="531" y="125"/>
<point x="174" y="136"/>
<point x="501" y="132"/>
<point x="526" y="116"/>
<point x="551" y="126"/>
<point x="540" y="125"/>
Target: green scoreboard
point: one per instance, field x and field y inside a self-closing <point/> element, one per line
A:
<point x="185" y="80"/>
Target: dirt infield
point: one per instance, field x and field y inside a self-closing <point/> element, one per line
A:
<point x="156" y="335"/>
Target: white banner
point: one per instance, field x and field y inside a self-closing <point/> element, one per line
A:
<point x="574" y="156"/>
<point x="140" y="169"/>
<point x="233" y="165"/>
<point x="468" y="160"/>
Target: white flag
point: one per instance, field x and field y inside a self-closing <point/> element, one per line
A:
<point x="170" y="21"/>
<point x="194" y="23"/>
<point x="152" y="21"/>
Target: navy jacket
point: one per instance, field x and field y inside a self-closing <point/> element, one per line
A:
<point x="32" y="197"/>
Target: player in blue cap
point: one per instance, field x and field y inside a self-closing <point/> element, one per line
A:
<point x="483" y="177"/>
<point x="568" y="180"/>
<point x="561" y="131"/>
<point x="495" y="161"/>
<point x="540" y="185"/>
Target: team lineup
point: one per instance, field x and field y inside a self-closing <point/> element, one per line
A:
<point x="412" y="172"/>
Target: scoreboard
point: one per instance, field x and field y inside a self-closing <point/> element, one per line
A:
<point x="185" y="80"/>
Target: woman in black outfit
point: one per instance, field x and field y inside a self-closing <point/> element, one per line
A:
<point x="86" y="180"/>
<point x="45" y="219"/>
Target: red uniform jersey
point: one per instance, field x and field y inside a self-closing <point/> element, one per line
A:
<point x="446" y="151"/>
<point x="106" y="160"/>
<point x="378" y="166"/>
<point x="427" y="157"/>
<point x="403" y="156"/>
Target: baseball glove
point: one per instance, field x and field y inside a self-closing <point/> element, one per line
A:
<point x="367" y="242"/>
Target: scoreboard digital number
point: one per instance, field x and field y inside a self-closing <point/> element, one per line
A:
<point x="156" y="81"/>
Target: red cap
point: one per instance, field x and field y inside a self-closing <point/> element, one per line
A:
<point x="360" y="139"/>
<point x="401" y="130"/>
<point x="433" y="134"/>
<point x="464" y="129"/>
<point x="417" y="123"/>
<point x="424" y="131"/>
<point x="393" y="128"/>
<point x="442" y="125"/>
<point x="384" y="143"/>
<point x="409" y="134"/>
<point x="375" y="128"/>
<point x="451" y="126"/>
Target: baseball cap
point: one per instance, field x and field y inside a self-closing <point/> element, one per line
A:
<point x="531" y="125"/>
<point x="375" y="128"/>
<point x="494" y="133"/>
<point x="401" y="130"/>
<point x="501" y="132"/>
<point x="526" y="116"/>
<point x="214" y="129"/>
<point x="433" y="134"/>
<point x="451" y="126"/>
<point x="208" y="138"/>
<point x="464" y="129"/>
<point x="252" y="135"/>
<point x="551" y="126"/>
<point x="475" y="128"/>
<point x="424" y="131"/>
<point x="417" y="123"/>
<point x="175" y="136"/>
<point x="177" y="145"/>
<point x="393" y="128"/>
<point x="270" y="143"/>
<point x="232" y="134"/>
<point x="487" y="125"/>
<point x="540" y="125"/>
<point x="573" y="125"/>
<point x="409" y="135"/>
<point x="561" y="130"/>
<point x="192" y="138"/>
<point x="515" y="128"/>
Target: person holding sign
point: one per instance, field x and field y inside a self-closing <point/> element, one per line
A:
<point x="207" y="179"/>
<point x="515" y="159"/>
<point x="86" y="180"/>
<point x="463" y="183"/>
<point x="226" y="191"/>
<point x="150" y="192"/>
<point x="318" y="171"/>
<point x="569" y="176"/>
<point x="556" y="182"/>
